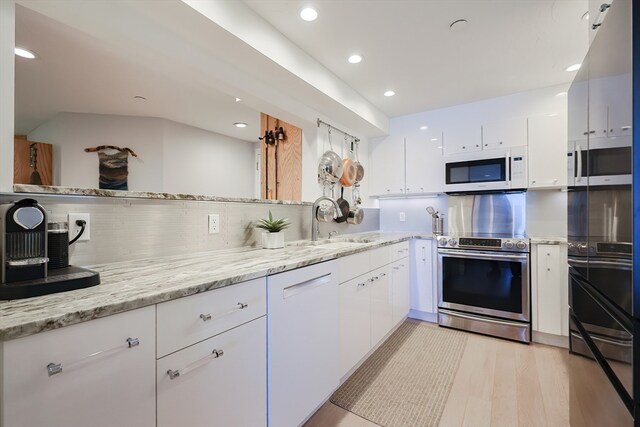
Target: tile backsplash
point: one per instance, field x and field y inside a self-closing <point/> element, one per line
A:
<point x="126" y="229"/>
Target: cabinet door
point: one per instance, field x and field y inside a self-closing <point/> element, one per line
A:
<point x="620" y="106"/>
<point x="355" y="322"/>
<point x="425" y="173"/>
<point x="387" y="166"/>
<point x="423" y="295"/>
<point x="550" y="286"/>
<point x="104" y="380"/>
<point x="504" y="133"/>
<point x="226" y="388"/>
<point x="401" y="290"/>
<point x="381" y="304"/>
<point x="462" y="139"/>
<point x="548" y="151"/>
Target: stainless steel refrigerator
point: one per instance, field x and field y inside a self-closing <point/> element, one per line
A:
<point x="602" y="211"/>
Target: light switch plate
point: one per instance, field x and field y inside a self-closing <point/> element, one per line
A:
<point x="402" y="217"/>
<point x="214" y="223"/>
<point x="74" y="229"/>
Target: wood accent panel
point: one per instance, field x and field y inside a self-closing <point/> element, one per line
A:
<point x="21" y="161"/>
<point x="288" y="185"/>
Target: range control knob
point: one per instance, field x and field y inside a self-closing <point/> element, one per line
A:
<point x="521" y="245"/>
<point x="443" y="241"/>
<point x="453" y="242"/>
<point x="582" y="248"/>
<point x="508" y="244"/>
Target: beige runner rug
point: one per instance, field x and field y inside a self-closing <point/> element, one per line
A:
<point x="405" y="382"/>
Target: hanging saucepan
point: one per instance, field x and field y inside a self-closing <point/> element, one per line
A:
<point x="344" y="207"/>
<point x="358" y="166"/>
<point x="356" y="214"/>
<point x="330" y="167"/>
<point x="348" y="173"/>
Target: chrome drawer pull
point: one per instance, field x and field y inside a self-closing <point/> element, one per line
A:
<point x="396" y="268"/>
<point x="198" y="363"/>
<point x="362" y="285"/>
<point x="383" y="274"/>
<point x="56" y="368"/>
<point x="239" y="306"/>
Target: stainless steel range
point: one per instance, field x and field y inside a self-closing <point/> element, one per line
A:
<point x="483" y="267"/>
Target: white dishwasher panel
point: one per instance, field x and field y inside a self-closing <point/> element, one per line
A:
<point x="303" y="340"/>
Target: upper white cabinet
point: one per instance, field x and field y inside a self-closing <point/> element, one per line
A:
<point x="387" y="166"/>
<point x="98" y="373"/>
<point x="547" y="151"/>
<point x="424" y="163"/>
<point x="462" y="138"/>
<point x="504" y="133"/>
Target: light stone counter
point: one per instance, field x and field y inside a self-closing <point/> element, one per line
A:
<point x="133" y="284"/>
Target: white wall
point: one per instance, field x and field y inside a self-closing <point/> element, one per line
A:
<point x="415" y="212"/>
<point x="7" y="70"/>
<point x="172" y="157"/>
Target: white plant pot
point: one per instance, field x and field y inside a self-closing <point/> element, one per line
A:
<point x="273" y="240"/>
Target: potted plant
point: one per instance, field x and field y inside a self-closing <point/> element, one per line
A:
<point x="273" y="238"/>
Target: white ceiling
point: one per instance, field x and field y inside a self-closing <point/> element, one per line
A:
<point x="508" y="46"/>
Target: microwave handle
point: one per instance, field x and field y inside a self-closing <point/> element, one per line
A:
<point x="508" y="163"/>
<point x="579" y="162"/>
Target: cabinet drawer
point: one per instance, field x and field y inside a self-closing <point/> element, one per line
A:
<point x="353" y="266"/>
<point x="380" y="256"/>
<point x="82" y="375"/>
<point x="226" y="388"/>
<point x="188" y="320"/>
<point x="399" y="251"/>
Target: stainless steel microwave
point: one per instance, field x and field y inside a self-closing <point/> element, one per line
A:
<point x="486" y="170"/>
<point x="606" y="161"/>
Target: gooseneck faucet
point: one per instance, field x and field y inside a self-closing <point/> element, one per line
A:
<point x="315" y="225"/>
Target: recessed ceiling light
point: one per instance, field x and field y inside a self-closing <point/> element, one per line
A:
<point x="574" y="67"/>
<point x="354" y="59"/>
<point x="585" y="16"/>
<point x="424" y="127"/>
<point x="434" y="140"/>
<point x="389" y="93"/>
<point x="552" y="114"/>
<point x="458" y="25"/>
<point x="240" y="125"/>
<point x="308" y="14"/>
<point x="24" y="53"/>
<point x="561" y="94"/>
<point x="238" y="100"/>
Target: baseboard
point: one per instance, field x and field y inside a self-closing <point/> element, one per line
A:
<point x="550" y="339"/>
<point x="422" y="315"/>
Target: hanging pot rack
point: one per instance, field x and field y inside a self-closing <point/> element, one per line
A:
<point x="331" y="127"/>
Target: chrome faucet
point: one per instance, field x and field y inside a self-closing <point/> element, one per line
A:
<point x="333" y="233"/>
<point x="315" y="225"/>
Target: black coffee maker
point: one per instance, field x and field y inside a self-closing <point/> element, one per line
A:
<point x="23" y="227"/>
<point x="24" y="255"/>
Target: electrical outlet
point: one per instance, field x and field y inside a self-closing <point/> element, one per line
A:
<point x="402" y="217"/>
<point x="214" y="223"/>
<point x="74" y="229"/>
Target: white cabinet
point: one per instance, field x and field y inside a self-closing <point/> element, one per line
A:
<point x="549" y="290"/>
<point x="220" y="381"/>
<point x="424" y="166"/>
<point x="355" y="321"/>
<point x="387" y="166"/>
<point x="381" y="304"/>
<point x="548" y="151"/>
<point x="424" y="296"/>
<point x="98" y="373"/>
<point x="401" y="290"/>
<point x="504" y="133"/>
<point x="303" y="338"/>
<point x="463" y="138"/>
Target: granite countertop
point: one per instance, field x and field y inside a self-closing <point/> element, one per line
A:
<point x="133" y="284"/>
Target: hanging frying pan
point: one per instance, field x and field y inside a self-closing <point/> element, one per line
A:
<point x="344" y="207"/>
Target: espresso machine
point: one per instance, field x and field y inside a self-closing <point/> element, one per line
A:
<point x="24" y="258"/>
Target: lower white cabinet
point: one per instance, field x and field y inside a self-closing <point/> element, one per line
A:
<point x="303" y="337"/>
<point x="381" y="304"/>
<point x="401" y="290"/>
<point x="549" y="290"/>
<point x="355" y="321"/>
<point x="424" y="276"/>
<point x="220" y="381"/>
<point x="98" y="373"/>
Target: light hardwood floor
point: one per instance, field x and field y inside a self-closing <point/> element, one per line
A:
<point x="499" y="383"/>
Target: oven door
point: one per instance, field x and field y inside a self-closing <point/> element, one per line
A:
<point x="490" y="283"/>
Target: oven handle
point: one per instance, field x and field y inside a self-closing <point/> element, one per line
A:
<point x="481" y="318"/>
<point x="484" y="255"/>
<point x="626" y="264"/>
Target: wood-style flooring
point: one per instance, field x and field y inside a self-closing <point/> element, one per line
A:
<point x="499" y="383"/>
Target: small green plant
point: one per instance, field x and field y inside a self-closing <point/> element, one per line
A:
<point x="273" y="226"/>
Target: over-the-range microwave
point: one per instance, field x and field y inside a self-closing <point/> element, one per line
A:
<point x="600" y="162"/>
<point x="486" y="170"/>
